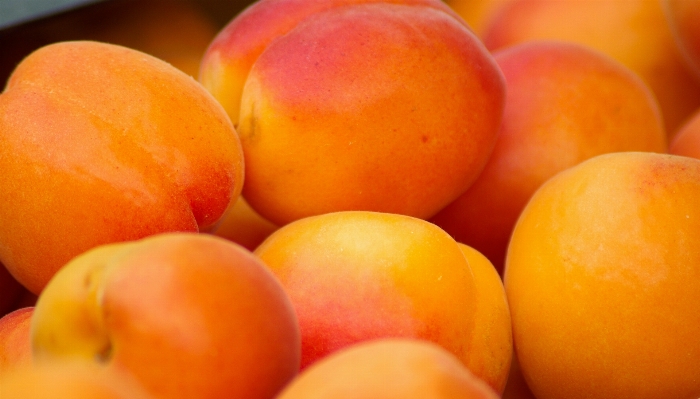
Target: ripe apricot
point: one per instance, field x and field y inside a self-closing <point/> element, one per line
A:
<point x="634" y="32"/>
<point x="603" y="280"/>
<point x="565" y="103"/>
<point x="389" y="369"/>
<point x="101" y="143"/>
<point x="348" y="111"/>
<point x="356" y="275"/>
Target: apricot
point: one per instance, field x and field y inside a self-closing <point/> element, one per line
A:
<point x="354" y="276"/>
<point x="347" y="112"/>
<point x="686" y="141"/>
<point x="603" y="280"/>
<point x="187" y="315"/>
<point x="389" y="369"/>
<point x="15" y="343"/>
<point x="682" y="17"/>
<point x="230" y="56"/>
<point x="634" y="32"/>
<point x="69" y="379"/>
<point x="565" y="103"/>
<point x="101" y="144"/>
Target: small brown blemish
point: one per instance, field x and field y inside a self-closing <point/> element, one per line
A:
<point x="424" y="138"/>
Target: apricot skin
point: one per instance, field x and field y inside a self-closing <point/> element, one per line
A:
<point x="103" y="144"/>
<point x="348" y="112"/>
<point x="603" y="280"/>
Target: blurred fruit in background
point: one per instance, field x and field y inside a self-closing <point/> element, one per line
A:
<point x="178" y="31"/>
<point x="683" y="17"/>
<point x="634" y="32"/>
<point x="565" y="103"/>
<point x="477" y="13"/>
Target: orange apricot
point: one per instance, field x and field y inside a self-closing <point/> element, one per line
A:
<point x="603" y="280"/>
<point x="389" y="369"/>
<point x="354" y="276"/>
<point x="347" y="112"/>
<point x="557" y="114"/>
<point x="634" y="32"/>
<point x="101" y="143"/>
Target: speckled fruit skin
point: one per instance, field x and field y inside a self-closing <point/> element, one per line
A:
<point x="348" y="111"/>
<point x="230" y="56"/>
<point x="389" y="369"/>
<point x="556" y="116"/>
<point x="101" y="144"/>
<point x="603" y="280"/>
<point x="187" y="315"/>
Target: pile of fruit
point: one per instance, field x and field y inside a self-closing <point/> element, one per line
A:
<point x="360" y="199"/>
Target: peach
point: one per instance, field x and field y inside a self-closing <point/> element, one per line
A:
<point x="104" y="144"/>
<point x="389" y="369"/>
<point x="354" y="276"/>
<point x="244" y="226"/>
<point x="634" y="32"/>
<point x="69" y="379"/>
<point x="348" y="111"/>
<point x="15" y="345"/>
<point x="686" y="141"/>
<point x="188" y="315"/>
<point x="603" y="280"/>
<point x="230" y="56"/>
<point x="682" y="17"/>
<point x="557" y="114"/>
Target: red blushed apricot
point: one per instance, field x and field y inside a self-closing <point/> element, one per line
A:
<point x="230" y="56"/>
<point x="102" y="144"/>
<point x="389" y="369"/>
<point x="348" y="111"/>
<point x="557" y="114"/>
<point x="686" y="141"/>
<point x="682" y="16"/>
<point x="603" y="280"/>
<point x="355" y="276"/>
<point x="634" y="32"/>
<point x="187" y="315"/>
<point x="15" y="343"/>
